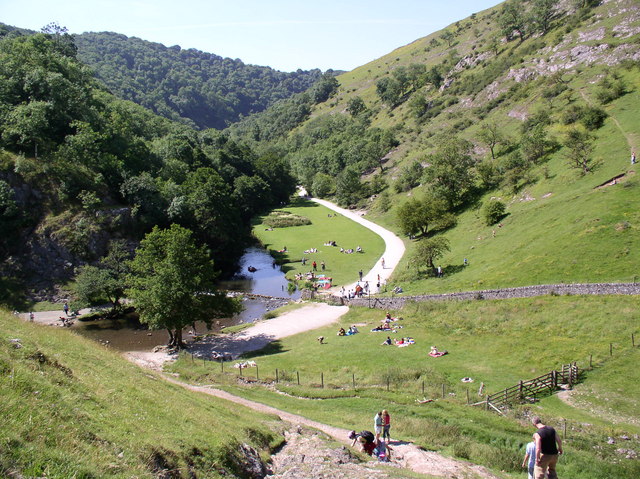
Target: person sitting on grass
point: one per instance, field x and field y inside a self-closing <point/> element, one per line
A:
<point x="341" y="332"/>
<point x="386" y="342"/>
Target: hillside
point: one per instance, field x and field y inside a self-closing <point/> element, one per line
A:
<point x="196" y="88"/>
<point x="529" y="103"/>
<point x="75" y="409"/>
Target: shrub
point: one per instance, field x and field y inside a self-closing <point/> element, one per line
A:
<point x="284" y="219"/>
<point x="494" y="210"/>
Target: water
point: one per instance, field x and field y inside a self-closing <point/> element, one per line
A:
<point x="267" y="280"/>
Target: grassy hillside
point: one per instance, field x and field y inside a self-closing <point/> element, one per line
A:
<point x="75" y="409"/>
<point x="559" y="225"/>
<point x="494" y="342"/>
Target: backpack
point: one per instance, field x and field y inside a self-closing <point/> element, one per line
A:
<point x="368" y="436"/>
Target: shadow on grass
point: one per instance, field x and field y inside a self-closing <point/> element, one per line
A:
<point x="236" y="345"/>
<point x="273" y="347"/>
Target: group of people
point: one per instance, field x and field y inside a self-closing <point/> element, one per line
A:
<point x="375" y="445"/>
<point x="352" y="330"/>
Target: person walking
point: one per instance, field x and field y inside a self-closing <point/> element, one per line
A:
<point x="633" y="157"/>
<point x="548" y="448"/>
<point x="377" y="424"/>
<point x="529" y="461"/>
<point x="382" y="262"/>
<point x="386" y="425"/>
<point x="65" y="308"/>
<point x="315" y="266"/>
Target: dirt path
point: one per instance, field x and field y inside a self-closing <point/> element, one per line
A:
<point x="309" y="317"/>
<point x="405" y="454"/>
<point x="394" y="246"/>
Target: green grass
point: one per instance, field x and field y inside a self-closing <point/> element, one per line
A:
<point x="494" y="342"/>
<point x="72" y="408"/>
<point x="343" y="268"/>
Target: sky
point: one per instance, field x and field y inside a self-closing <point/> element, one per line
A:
<point x="284" y="34"/>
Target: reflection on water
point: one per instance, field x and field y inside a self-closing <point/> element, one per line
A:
<point x="267" y="280"/>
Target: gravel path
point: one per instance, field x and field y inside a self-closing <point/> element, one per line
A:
<point x="404" y="454"/>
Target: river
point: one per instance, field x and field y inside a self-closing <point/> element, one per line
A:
<point x="267" y="280"/>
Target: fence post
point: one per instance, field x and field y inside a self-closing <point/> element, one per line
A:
<point x="443" y="386"/>
<point x="298" y="376"/>
<point x="591" y="361"/>
<point x="353" y="380"/>
<point x="633" y="340"/>
<point x="554" y="380"/>
<point x="322" y="379"/>
<point x="222" y="365"/>
<point x="276" y="375"/>
<point x="467" y="395"/>
<point x="240" y="371"/>
<point x="487" y="403"/>
<point x="520" y="395"/>
<point x="423" y="387"/>
<point x="610" y="349"/>
<point x="191" y="357"/>
<point x="257" y="374"/>
<point x="564" y="430"/>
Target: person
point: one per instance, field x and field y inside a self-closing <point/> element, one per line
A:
<point x="377" y="425"/>
<point x="529" y="461"/>
<point x="315" y="266"/>
<point x="382" y="451"/>
<point x="32" y="316"/>
<point x="386" y="425"/>
<point x="65" y="308"/>
<point x="386" y="342"/>
<point x="323" y="265"/>
<point x="360" y="274"/>
<point x="465" y="262"/>
<point x="358" y="249"/>
<point x="388" y="317"/>
<point x="341" y="332"/>
<point x="304" y="261"/>
<point x="366" y="440"/>
<point x="382" y="263"/>
<point x="439" y="271"/>
<point x="548" y="448"/>
<point x="321" y="339"/>
<point x="633" y="158"/>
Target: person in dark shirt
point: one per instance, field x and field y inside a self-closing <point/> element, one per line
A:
<point x="548" y="447"/>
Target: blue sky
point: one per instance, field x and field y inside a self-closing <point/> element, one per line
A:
<point x="283" y="34"/>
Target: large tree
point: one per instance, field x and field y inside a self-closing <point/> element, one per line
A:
<point x="428" y="250"/>
<point x="172" y="283"/>
<point x="416" y="216"/>
<point x="450" y="169"/>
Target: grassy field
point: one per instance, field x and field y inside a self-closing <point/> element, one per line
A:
<point x="72" y="408"/>
<point x="325" y="226"/>
<point x="494" y="342"/>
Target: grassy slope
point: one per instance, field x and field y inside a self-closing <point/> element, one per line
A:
<point x="107" y="417"/>
<point x="343" y="268"/>
<point x="495" y="342"/>
<point x="559" y="227"/>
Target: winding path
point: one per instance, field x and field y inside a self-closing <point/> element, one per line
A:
<point x="394" y="246"/>
<point x="406" y="454"/>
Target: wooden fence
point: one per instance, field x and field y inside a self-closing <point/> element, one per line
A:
<point x="545" y="384"/>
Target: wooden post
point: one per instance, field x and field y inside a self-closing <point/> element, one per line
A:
<point x="222" y="366"/>
<point x="257" y="374"/>
<point x="633" y="340"/>
<point x="204" y="361"/>
<point x="520" y="395"/>
<point x="322" y="379"/>
<point x="443" y="390"/>
<point x="610" y="349"/>
<point x="591" y="361"/>
<point x="423" y="388"/>
<point x="388" y="383"/>
<point x="353" y="380"/>
<point x="487" y="403"/>
<point x="298" y="377"/>
<point x="240" y="371"/>
<point x="468" y="396"/>
<point x="276" y="376"/>
<point x="191" y="357"/>
<point x="564" y="430"/>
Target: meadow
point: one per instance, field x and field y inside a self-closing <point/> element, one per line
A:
<point x="345" y="381"/>
<point x="326" y="225"/>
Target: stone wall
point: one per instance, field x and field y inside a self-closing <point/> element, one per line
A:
<point x="397" y="302"/>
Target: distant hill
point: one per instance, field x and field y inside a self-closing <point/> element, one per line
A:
<point x="197" y="88"/>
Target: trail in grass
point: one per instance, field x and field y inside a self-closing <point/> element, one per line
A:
<point x="394" y="246"/>
<point x="406" y="454"/>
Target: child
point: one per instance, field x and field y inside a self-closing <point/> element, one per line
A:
<point x="529" y="460"/>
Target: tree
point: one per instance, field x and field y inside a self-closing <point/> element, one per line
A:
<point x="355" y="106"/>
<point x="542" y="13"/>
<point x="450" y="169"/>
<point x="348" y="187"/>
<point x="172" y="284"/>
<point x="323" y="185"/>
<point x="428" y="250"/>
<point x="491" y="136"/>
<point x="579" y="148"/>
<point x="512" y="20"/>
<point x="106" y="281"/>
<point x="416" y="216"/>
<point x="493" y="211"/>
<point x="534" y="144"/>
<point x="448" y="37"/>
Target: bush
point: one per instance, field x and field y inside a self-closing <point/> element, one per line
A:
<point x="494" y="211"/>
<point x="284" y="219"/>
